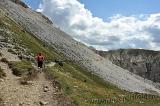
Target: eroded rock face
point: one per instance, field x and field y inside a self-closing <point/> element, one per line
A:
<point x="145" y="63"/>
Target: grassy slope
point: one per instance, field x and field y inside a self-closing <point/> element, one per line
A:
<point x="77" y="83"/>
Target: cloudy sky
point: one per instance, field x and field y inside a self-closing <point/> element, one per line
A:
<point x="106" y="24"/>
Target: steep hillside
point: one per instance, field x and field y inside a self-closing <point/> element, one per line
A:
<point x="62" y="43"/>
<point x="145" y="63"/>
<point x="75" y="82"/>
<point x="85" y="77"/>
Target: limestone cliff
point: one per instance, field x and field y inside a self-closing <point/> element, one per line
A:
<point x="145" y="63"/>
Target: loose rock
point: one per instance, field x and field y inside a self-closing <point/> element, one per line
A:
<point x="42" y="103"/>
<point x="1" y="80"/>
<point x="46" y="89"/>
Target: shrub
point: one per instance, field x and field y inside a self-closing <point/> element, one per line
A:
<point x="10" y="64"/>
<point x="17" y="71"/>
<point x="56" y="61"/>
<point x="4" y="60"/>
<point x="21" y="68"/>
<point x="60" y="63"/>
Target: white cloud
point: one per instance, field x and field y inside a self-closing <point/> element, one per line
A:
<point x="141" y="31"/>
<point x="40" y="9"/>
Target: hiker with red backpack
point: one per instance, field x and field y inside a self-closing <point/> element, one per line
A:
<point x="40" y="59"/>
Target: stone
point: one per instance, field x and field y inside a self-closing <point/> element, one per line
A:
<point x="141" y="102"/>
<point x="1" y="80"/>
<point x="75" y="86"/>
<point x="30" y="82"/>
<point x="46" y="89"/>
<point x="42" y="103"/>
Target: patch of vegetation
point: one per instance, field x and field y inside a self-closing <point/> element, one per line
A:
<point x="28" y="40"/>
<point x="87" y="89"/>
<point x="4" y="60"/>
<point x="21" y="68"/>
<point x="2" y="73"/>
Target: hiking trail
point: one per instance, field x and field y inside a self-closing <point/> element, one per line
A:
<point x="39" y="93"/>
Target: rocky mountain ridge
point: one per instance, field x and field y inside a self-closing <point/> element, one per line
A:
<point x="145" y="63"/>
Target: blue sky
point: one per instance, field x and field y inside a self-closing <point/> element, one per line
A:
<point x="33" y="3"/>
<point x="107" y="8"/>
<point x="106" y="24"/>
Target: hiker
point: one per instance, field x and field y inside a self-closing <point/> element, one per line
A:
<point x="40" y="59"/>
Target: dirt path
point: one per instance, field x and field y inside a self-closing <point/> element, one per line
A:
<point x="40" y="91"/>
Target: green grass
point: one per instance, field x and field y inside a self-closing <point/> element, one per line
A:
<point x="83" y="87"/>
<point x="21" y="68"/>
<point x="26" y="39"/>
<point x="2" y="73"/>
